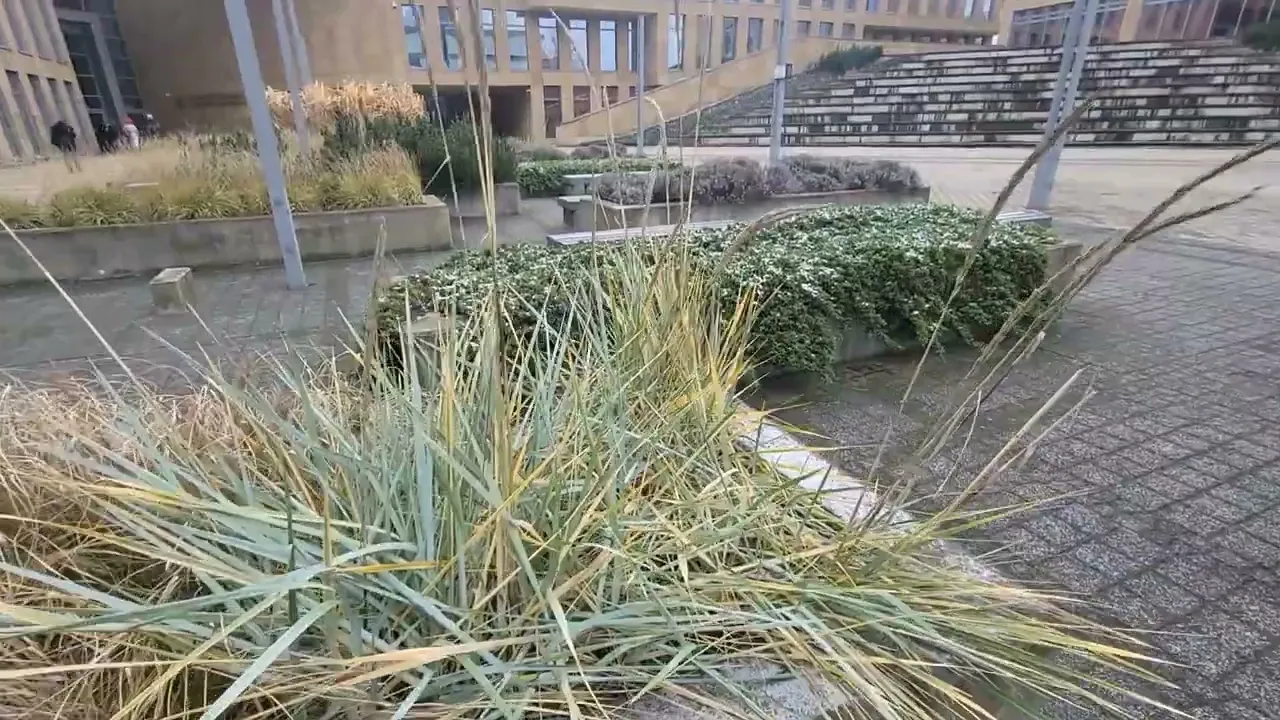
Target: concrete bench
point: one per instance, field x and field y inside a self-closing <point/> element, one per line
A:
<point x="1025" y="217"/>
<point x="631" y="233"/>
<point x="571" y="205"/>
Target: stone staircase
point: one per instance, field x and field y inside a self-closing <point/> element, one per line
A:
<point x="1147" y="94"/>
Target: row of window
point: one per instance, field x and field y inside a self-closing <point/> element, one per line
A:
<point x="32" y="29"/>
<point x="618" y="37"/>
<point x="40" y="101"/>
<point x="552" y="107"/>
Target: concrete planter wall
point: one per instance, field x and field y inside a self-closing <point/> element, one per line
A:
<point x="506" y="198"/>
<point x="95" y="253"/>
<point x="609" y="216"/>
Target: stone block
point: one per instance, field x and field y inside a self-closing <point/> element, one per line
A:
<point x="173" y="290"/>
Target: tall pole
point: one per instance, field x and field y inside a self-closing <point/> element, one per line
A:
<point x="640" y="85"/>
<point x="255" y="94"/>
<point x="1075" y="50"/>
<point x="300" y="44"/>
<point x="780" y="85"/>
<point x="291" y="77"/>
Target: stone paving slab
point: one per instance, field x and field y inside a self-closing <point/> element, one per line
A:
<point x="1160" y="500"/>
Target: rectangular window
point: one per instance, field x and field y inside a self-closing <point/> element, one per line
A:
<point x="806" y="3"/>
<point x="891" y="6"/>
<point x="15" y="26"/>
<point x="549" y="41"/>
<point x="632" y="91"/>
<point x="550" y="105"/>
<point x="578" y="44"/>
<point x="675" y="41"/>
<point x="611" y="94"/>
<point x="411" y="21"/>
<point x="968" y="8"/>
<point x="851" y="5"/>
<point x="10" y="129"/>
<point x="581" y="100"/>
<point x="702" y="43"/>
<point x="913" y="7"/>
<point x="847" y="30"/>
<point x="802" y="28"/>
<point x="34" y="133"/>
<point x="42" y="102"/>
<point x="489" y="38"/>
<point x="873" y="6"/>
<point x="517" y="40"/>
<point x="449" y="40"/>
<point x="60" y="102"/>
<point x="777" y="31"/>
<point x="755" y="34"/>
<point x="826" y="29"/>
<point x="633" y="47"/>
<point x="729" y="40"/>
<point x="39" y="28"/>
<point x="609" y="46"/>
<point x="828" y="4"/>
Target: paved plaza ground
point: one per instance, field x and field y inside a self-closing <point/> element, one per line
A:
<point x="1173" y="469"/>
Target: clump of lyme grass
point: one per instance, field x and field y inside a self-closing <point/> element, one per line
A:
<point x="560" y="529"/>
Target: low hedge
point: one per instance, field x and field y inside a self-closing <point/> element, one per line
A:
<point x="743" y="180"/>
<point x="545" y="178"/>
<point x="226" y="186"/>
<point x="886" y="268"/>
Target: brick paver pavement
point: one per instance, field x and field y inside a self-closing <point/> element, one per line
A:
<point x="1174" y="466"/>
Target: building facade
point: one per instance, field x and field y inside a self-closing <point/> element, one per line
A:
<point x="39" y="86"/>
<point x="63" y="60"/>
<point x="547" y="61"/>
<point x="1031" y="23"/>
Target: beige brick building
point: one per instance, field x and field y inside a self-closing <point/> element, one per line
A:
<point x="554" y="66"/>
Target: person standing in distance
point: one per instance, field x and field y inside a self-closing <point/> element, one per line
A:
<point x="63" y="137"/>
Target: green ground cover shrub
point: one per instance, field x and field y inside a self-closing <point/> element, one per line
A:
<point x="446" y="160"/>
<point x="545" y="178"/>
<point x="886" y="268"/>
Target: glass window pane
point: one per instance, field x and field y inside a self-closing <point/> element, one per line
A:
<point x="549" y="41"/>
<point x="578" y="44"/>
<point x="675" y="41"/>
<point x="409" y="15"/>
<point x="450" y="46"/>
<point x="609" y="45"/>
<point x="729" y="38"/>
<point x="517" y="40"/>
<point x="755" y="34"/>
<point x="488" y="36"/>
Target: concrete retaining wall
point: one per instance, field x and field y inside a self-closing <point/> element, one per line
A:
<point x="95" y="253"/>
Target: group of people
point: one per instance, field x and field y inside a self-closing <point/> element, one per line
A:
<point x="62" y="135"/>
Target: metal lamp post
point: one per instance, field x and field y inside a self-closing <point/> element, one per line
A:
<point x="780" y="84"/>
<point x="255" y="94"/>
<point x="1075" y="49"/>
